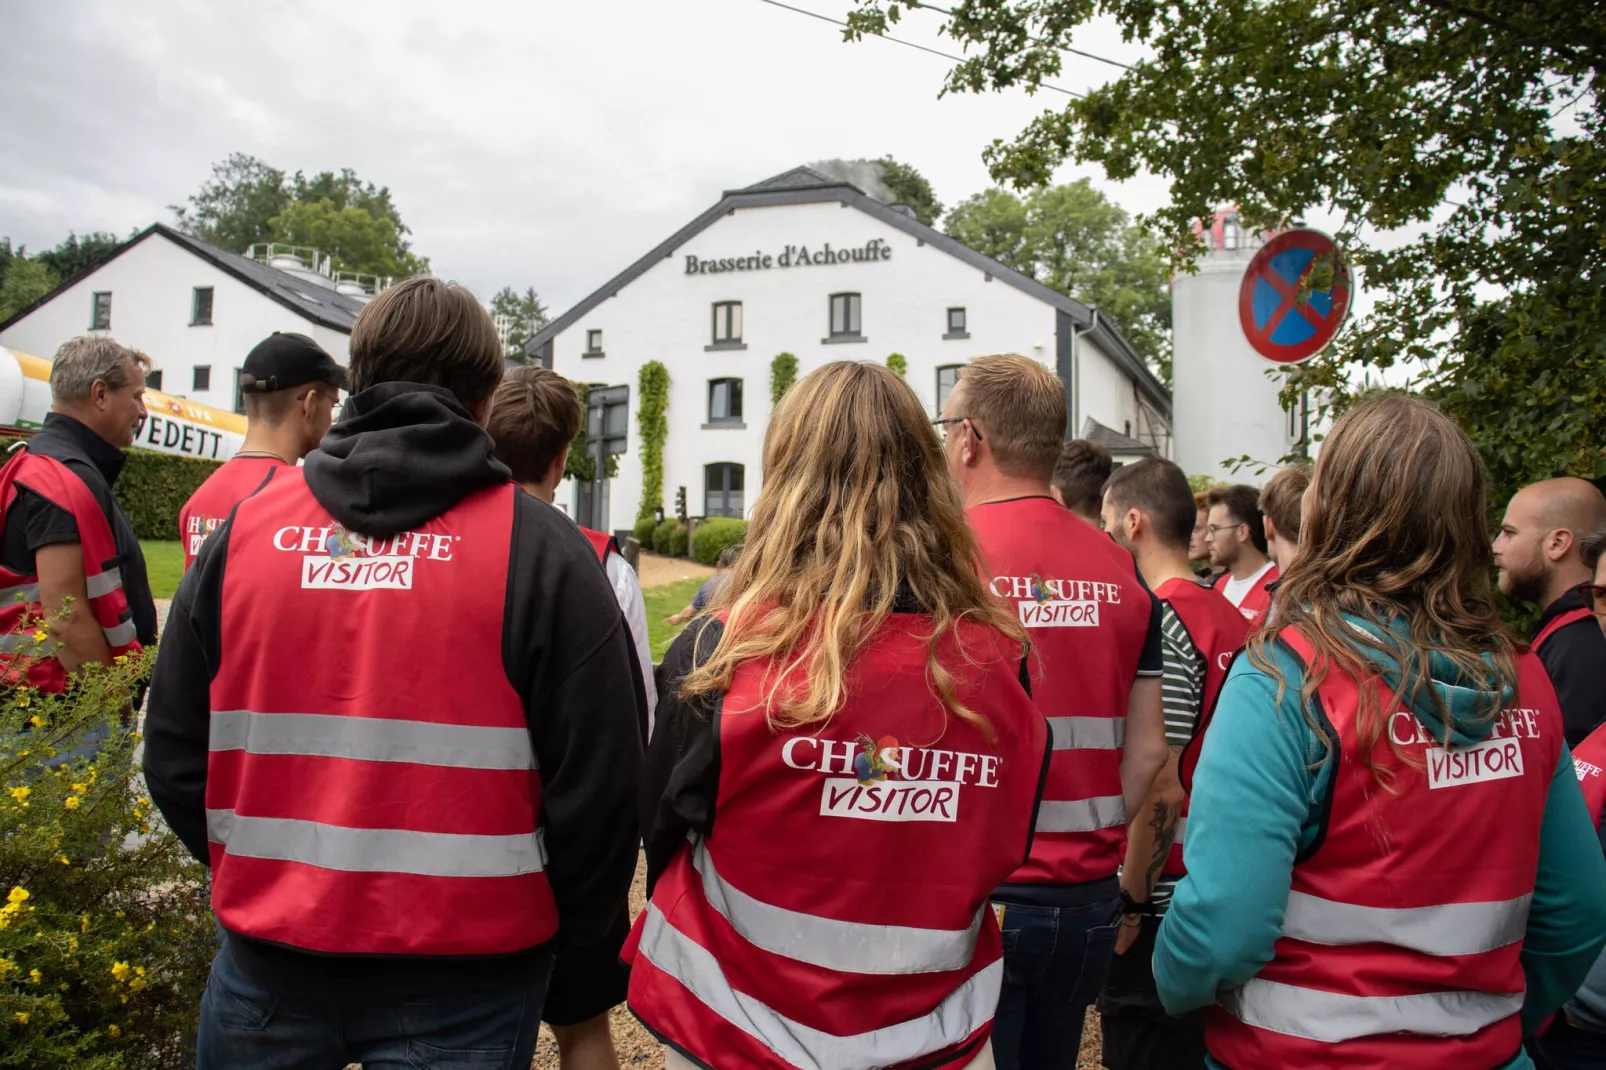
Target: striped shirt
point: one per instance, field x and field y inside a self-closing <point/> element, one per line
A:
<point x="1181" y="694"/>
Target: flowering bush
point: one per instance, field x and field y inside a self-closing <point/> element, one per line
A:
<point x="105" y="932"/>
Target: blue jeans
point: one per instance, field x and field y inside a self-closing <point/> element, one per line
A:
<point x="1055" y="962"/>
<point x="1567" y="1047"/>
<point x="246" y="1027"/>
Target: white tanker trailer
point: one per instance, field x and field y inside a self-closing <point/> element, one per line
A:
<point x="173" y="425"/>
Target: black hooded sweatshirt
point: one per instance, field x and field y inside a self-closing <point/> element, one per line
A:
<point x="401" y="455"/>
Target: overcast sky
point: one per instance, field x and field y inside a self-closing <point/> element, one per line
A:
<point x="544" y="144"/>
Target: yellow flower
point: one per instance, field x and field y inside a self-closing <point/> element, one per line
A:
<point x="83" y="923"/>
<point x="120" y="970"/>
<point x="139" y="971"/>
<point x="80" y="788"/>
<point x="34" y="976"/>
<point x="19" y="893"/>
<point x="6" y="966"/>
<point x="113" y="1031"/>
<point x="41" y="635"/>
<point x="23" y="699"/>
<point x="71" y="802"/>
<point x="64" y="860"/>
<point x="21" y="794"/>
<point x="22" y="1017"/>
<point x="36" y="721"/>
<point x="136" y="984"/>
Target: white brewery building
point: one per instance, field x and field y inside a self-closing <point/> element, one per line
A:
<point x="810" y="265"/>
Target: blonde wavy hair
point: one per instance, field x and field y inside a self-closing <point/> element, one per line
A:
<point x="857" y="510"/>
<point x="1394" y="532"/>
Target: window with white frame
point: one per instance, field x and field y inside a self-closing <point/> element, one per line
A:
<point x="727" y="322"/>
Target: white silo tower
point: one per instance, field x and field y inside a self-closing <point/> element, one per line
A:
<point x="1223" y="399"/>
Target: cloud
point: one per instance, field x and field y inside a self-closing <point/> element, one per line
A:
<point x="525" y="144"/>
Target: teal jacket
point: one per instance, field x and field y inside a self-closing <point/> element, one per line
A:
<point x="1256" y="803"/>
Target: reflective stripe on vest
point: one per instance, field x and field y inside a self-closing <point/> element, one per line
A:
<point x="1330" y="1017"/>
<point x="1443" y="930"/>
<point x="103" y="583"/>
<point x="967" y="1009"/>
<point x="354" y="850"/>
<point x="1088" y="733"/>
<point x="27" y="592"/>
<point x="1081" y="815"/>
<point x="371" y="739"/>
<point x="836" y="945"/>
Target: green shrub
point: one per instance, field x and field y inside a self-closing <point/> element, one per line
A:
<point x="643" y="532"/>
<point x="105" y="932"/>
<point x="153" y="487"/>
<point x="652" y="402"/>
<point x="898" y="364"/>
<point x="713" y="535"/>
<point x="783" y="373"/>
<point x="669" y="538"/>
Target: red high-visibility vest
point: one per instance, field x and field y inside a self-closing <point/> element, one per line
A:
<point x="24" y="659"/>
<point x="1257" y="600"/>
<point x="213" y="500"/>
<point x="1403" y="933"/>
<point x="1557" y="623"/>
<point x="372" y="787"/>
<point x="837" y="915"/>
<point x="1079" y="595"/>
<point x="1589" y="761"/>
<point x="603" y="543"/>
<point x="1218" y="630"/>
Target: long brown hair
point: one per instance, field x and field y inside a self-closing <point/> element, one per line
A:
<point x="1394" y="531"/>
<point x="857" y="510"/>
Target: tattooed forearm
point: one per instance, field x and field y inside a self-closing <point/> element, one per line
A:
<point x="1164" y="823"/>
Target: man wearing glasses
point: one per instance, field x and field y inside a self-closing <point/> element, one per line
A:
<point x="291" y="387"/>
<point x="1538" y="555"/>
<point x="1236" y="538"/>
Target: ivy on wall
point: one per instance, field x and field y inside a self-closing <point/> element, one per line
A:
<point x="783" y="373"/>
<point x="897" y="363"/>
<point x="652" y="392"/>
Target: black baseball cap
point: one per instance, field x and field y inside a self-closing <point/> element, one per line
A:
<point x="283" y="360"/>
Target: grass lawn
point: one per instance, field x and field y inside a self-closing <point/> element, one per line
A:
<point x="164" y="562"/>
<point x="661" y="602"/>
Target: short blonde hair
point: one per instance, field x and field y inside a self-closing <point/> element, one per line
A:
<point x="1020" y="406"/>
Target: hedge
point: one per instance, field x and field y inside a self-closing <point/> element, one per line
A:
<point x="153" y="487"/>
<point x="643" y="531"/>
<point x="669" y="538"/>
<point x="713" y="535"/>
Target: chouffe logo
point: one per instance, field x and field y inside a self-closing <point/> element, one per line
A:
<point x="336" y="559"/>
<point x="1046" y="602"/>
<point x="881" y="780"/>
<point x="1495" y="758"/>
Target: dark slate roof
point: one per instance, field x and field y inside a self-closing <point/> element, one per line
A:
<point x="804" y="185"/>
<point x="319" y="304"/>
<point x="1112" y="439"/>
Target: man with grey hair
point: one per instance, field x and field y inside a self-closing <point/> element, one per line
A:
<point x="68" y="554"/>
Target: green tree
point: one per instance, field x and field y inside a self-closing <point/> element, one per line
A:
<point x="1472" y="131"/>
<point x="76" y="255"/>
<point x="235" y="208"/>
<point x="783" y="373"/>
<point x="899" y="364"/>
<point x="1077" y="241"/>
<point x="525" y="315"/>
<point x="26" y="280"/>
<point x="910" y="187"/>
<point x="354" y="239"/>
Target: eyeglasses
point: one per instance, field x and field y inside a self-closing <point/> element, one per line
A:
<point x="1213" y="528"/>
<point x="1594" y="596"/>
<point x="943" y="423"/>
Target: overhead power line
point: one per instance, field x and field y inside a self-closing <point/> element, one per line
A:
<point x="1034" y="40"/>
<point x="901" y="41"/>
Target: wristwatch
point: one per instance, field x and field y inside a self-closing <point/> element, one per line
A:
<point x="1132" y="908"/>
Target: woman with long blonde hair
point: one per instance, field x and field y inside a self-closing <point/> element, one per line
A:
<point x="1389" y="861"/>
<point x="845" y="763"/>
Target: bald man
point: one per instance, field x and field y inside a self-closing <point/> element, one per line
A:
<point x="1538" y="555"/>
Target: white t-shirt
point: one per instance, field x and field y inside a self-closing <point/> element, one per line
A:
<point x="1235" y="589"/>
<point x="627" y="588"/>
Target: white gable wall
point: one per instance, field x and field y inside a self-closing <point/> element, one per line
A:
<point x="152" y="287"/>
<point x="666" y="314"/>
